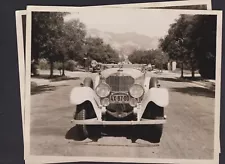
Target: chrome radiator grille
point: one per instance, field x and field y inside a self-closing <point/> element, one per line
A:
<point x="120" y="83"/>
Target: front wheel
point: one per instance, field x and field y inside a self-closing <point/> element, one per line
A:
<point x="82" y="129"/>
<point x="154" y="131"/>
<point x="86" y="131"/>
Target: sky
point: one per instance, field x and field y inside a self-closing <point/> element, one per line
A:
<point x="153" y="23"/>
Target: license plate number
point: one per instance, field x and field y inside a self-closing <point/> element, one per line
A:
<point x="119" y="98"/>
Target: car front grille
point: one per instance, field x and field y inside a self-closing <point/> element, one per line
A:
<point x="120" y="83"/>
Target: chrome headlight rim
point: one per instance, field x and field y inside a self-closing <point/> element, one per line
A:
<point x="142" y="88"/>
<point x="106" y="95"/>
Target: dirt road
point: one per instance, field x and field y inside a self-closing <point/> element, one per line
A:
<point x="188" y="133"/>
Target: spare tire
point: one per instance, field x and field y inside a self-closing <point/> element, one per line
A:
<point x="154" y="83"/>
<point x="88" y="82"/>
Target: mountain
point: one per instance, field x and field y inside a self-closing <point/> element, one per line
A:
<point x="125" y="43"/>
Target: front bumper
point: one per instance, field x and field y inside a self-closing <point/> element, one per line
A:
<point x="94" y="121"/>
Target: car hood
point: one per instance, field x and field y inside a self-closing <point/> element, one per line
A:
<point x="134" y="73"/>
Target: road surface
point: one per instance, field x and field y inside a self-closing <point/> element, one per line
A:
<point x="188" y="133"/>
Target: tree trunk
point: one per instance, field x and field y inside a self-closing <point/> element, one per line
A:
<point x="51" y="67"/>
<point x="192" y="71"/>
<point x="182" y="70"/>
<point x="63" y="67"/>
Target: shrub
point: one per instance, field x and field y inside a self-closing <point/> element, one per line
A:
<point x="58" y="65"/>
<point x="71" y="65"/>
<point x="43" y="64"/>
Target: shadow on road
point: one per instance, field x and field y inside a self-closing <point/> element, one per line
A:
<point x="130" y="132"/>
<point x="195" y="91"/>
<point x="72" y="134"/>
<point x="55" y="78"/>
<point x="43" y="88"/>
<point x="179" y="79"/>
<point x="171" y="79"/>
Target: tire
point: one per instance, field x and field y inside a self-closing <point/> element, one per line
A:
<point x="88" y="82"/>
<point x="154" y="83"/>
<point x="82" y="129"/>
<point x="91" y="131"/>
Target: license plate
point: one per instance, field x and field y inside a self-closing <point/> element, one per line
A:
<point x="119" y="98"/>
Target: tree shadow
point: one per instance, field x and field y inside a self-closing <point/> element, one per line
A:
<point x="171" y="79"/>
<point x="193" y="78"/>
<point x="182" y="79"/>
<point x="55" y="78"/>
<point x="63" y="78"/>
<point x="44" y="88"/>
<point x="195" y="91"/>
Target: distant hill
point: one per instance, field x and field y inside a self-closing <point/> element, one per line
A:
<point x="125" y="43"/>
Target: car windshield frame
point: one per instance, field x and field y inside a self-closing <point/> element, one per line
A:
<point x="131" y="70"/>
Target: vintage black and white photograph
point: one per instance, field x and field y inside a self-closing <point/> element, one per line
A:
<point x="21" y="27"/>
<point x="133" y="83"/>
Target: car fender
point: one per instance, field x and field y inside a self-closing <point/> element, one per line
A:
<point x="79" y="95"/>
<point x="160" y="96"/>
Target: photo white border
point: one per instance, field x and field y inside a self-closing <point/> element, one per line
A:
<point x="165" y="4"/>
<point x="21" y="62"/>
<point x="29" y="157"/>
<point x="21" y="13"/>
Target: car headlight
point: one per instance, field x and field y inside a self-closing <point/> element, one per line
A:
<point x="103" y="90"/>
<point x="136" y="91"/>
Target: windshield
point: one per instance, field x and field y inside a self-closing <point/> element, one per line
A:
<point x="134" y="66"/>
<point x="131" y="71"/>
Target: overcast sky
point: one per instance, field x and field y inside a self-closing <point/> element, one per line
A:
<point x="153" y="23"/>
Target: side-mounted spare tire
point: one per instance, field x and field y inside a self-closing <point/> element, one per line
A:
<point x="154" y="83"/>
<point x="88" y="82"/>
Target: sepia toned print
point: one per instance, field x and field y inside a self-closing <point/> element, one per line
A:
<point x="110" y="81"/>
<point x="199" y="4"/>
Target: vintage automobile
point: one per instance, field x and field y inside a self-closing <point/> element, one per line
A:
<point x="120" y="96"/>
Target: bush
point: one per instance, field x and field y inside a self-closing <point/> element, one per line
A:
<point x="71" y="65"/>
<point x="43" y="64"/>
<point x="58" y="65"/>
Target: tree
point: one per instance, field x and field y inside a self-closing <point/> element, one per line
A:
<point x="191" y="40"/>
<point x="46" y="30"/>
<point x="177" y="43"/>
<point x="97" y="50"/>
<point x="154" y="56"/>
<point x="203" y="41"/>
<point x="70" y="44"/>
